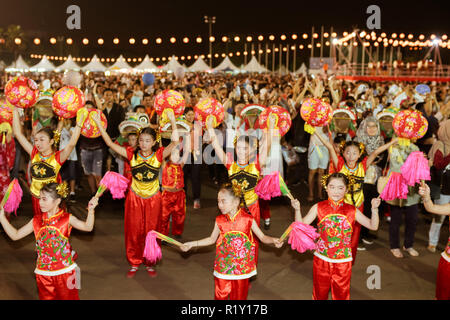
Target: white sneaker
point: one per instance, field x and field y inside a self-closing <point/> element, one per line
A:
<point x="412" y="252"/>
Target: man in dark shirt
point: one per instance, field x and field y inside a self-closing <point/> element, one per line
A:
<point x="113" y="112"/>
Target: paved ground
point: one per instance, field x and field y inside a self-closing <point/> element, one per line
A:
<point x="282" y="273"/>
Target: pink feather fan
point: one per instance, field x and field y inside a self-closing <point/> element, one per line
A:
<point x="415" y="168"/>
<point x="396" y="188"/>
<point x="303" y="237"/>
<point x="115" y="182"/>
<point x="152" y="250"/>
<point x="12" y="198"/>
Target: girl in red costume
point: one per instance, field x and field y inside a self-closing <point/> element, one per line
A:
<point x="55" y="267"/>
<point x="173" y="195"/>
<point x="45" y="160"/>
<point x="233" y="235"/>
<point x="332" y="265"/>
<point x="353" y="163"/>
<point x="443" y="272"/>
<point x="143" y="201"/>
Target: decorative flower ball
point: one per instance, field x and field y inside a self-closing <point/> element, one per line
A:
<point x="67" y="101"/>
<point x="283" y="119"/>
<point x="169" y="99"/>
<point x="90" y="129"/>
<point x="209" y="107"/>
<point x="6" y="114"/>
<point x="316" y="113"/>
<point x="410" y="124"/>
<point x="21" y="92"/>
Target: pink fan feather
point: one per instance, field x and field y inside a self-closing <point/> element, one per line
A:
<point x="303" y="237"/>
<point x="269" y="186"/>
<point x="152" y="250"/>
<point x="396" y="188"/>
<point x="12" y="198"/>
<point x="415" y="168"/>
<point x="115" y="182"/>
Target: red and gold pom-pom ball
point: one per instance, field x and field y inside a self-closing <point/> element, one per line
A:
<point x="169" y="99"/>
<point x="410" y="124"/>
<point x="90" y="129"/>
<point x="283" y="119"/>
<point x="21" y="92"/>
<point x="316" y="113"/>
<point x="209" y="107"/>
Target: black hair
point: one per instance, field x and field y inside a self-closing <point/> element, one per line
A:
<point x="50" y="188"/>
<point x="108" y="89"/>
<point x="337" y="175"/>
<point x="139" y="106"/>
<point x="229" y="187"/>
<point x="352" y="143"/>
<point x="188" y="109"/>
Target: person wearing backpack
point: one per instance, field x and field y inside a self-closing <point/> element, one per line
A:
<point x="439" y="156"/>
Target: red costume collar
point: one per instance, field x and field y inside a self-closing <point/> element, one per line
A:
<point x="334" y="204"/>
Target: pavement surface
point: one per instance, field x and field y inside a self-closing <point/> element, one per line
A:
<point x="282" y="273"/>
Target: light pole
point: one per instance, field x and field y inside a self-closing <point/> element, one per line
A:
<point x="210" y="21"/>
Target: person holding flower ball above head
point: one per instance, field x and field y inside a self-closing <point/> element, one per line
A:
<point x="233" y="233"/>
<point x="143" y="201"/>
<point x="55" y="265"/>
<point x="332" y="265"/>
<point x="353" y="163"/>
<point x="46" y="162"/>
<point x="443" y="272"/>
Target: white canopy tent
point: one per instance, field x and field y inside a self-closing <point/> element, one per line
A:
<point x="199" y="66"/>
<point x="146" y="66"/>
<point x="43" y="66"/>
<point x="172" y="65"/>
<point x="120" y="65"/>
<point x="282" y="70"/>
<point x="18" y="65"/>
<point x="69" y="64"/>
<point x="226" y="64"/>
<point x="254" y="66"/>
<point x="94" y="65"/>
<point x="302" y="70"/>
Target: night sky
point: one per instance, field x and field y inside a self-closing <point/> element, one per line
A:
<point x="179" y="18"/>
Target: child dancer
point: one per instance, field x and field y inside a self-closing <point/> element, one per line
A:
<point x="54" y="266"/>
<point x="45" y="161"/>
<point x="443" y="272"/>
<point x="332" y="265"/>
<point x="233" y="234"/>
<point x="173" y="195"/>
<point x="143" y="201"/>
<point x="353" y="163"/>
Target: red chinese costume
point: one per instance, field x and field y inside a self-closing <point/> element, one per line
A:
<point x="332" y="265"/>
<point x="143" y="202"/>
<point x="355" y="198"/>
<point x="173" y="199"/>
<point x="43" y="170"/>
<point x="235" y="259"/>
<point x="55" y="267"/>
<point x="443" y="275"/>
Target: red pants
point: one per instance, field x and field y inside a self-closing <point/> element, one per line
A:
<point x="328" y="275"/>
<point x="173" y="204"/>
<point x="230" y="289"/>
<point x="57" y="287"/>
<point x="355" y="236"/>
<point x="141" y="216"/>
<point x="443" y="280"/>
<point x="264" y="208"/>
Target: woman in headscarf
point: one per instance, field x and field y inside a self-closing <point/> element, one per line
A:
<point x="369" y="133"/>
<point x="439" y="156"/>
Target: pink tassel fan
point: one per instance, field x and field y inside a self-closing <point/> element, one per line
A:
<point x="303" y="237"/>
<point x="152" y="250"/>
<point x="12" y="197"/>
<point x="396" y="188"/>
<point x="269" y="186"/>
<point x="116" y="183"/>
<point x="415" y="168"/>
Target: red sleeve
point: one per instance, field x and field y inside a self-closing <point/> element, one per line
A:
<point x="57" y="158"/>
<point x="34" y="152"/>
<point x="257" y="165"/>
<point x="130" y="153"/>
<point x="229" y="160"/>
<point x="159" y="154"/>
<point x="340" y="164"/>
<point x="439" y="161"/>
<point x="364" y="163"/>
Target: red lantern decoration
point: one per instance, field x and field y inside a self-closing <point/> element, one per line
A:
<point x="6" y="114"/>
<point x="316" y="113"/>
<point x="67" y="101"/>
<point x="283" y="119"/>
<point x="409" y="124"/>
<point x="21" y="92"/>
<point x="90" y="129"/>
<point x="209" y="107"/>
<point x="169" y="100"/>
